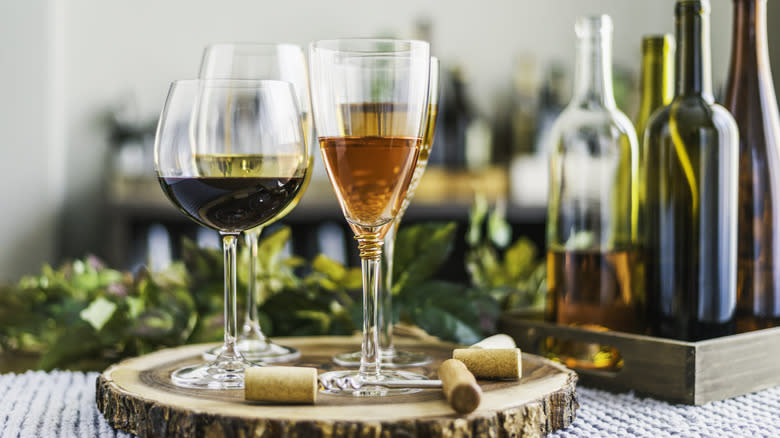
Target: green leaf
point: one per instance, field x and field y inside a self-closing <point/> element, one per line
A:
<point x="334" y="270"/>
<point x="499" y="230"/>
<point x="448" y="310"/>
<point x="270" y="247"/>
<point x="98" y="313"/>
<point x="477" y="214"/>
<point x="420" y="250"/>
<point x="520" y="259"/>
<point x="72" y="345"/>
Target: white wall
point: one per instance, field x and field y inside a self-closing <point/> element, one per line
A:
<point x="113" y="49"/>
<point x="31" y="143"/>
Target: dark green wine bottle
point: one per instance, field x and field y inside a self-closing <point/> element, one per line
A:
<point x="691" y="156"/>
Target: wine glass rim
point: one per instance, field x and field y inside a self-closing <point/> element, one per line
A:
<point x="233" y="83"/>
<point x="261" y="44"/>
<point x="369" y="45"/>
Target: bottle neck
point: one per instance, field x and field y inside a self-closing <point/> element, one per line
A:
<point x="656" y="80"/>
<point x="593" y="74"/>
<point x="693" y="66"/>
<point x="749" y="43"/>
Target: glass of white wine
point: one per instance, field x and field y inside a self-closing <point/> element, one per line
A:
<point x="285" y="62"/>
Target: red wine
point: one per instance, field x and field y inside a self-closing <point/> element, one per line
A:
<point x="231" y="204"/>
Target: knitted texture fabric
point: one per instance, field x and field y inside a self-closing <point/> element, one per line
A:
<point x="62" y="404"/>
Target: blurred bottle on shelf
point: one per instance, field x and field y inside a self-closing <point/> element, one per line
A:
<point x="455" y="115"/>
<point x="691" y="157"/>
<point x="516" y="114"/>
<point x="750" y="96"/>
<point x="551" y="103"/>
<point x="534" y="111"/>
<point x="594" y="262"/>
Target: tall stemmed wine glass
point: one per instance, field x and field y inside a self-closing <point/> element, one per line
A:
<point x="284" y="62"/>
<point x="370" y="100"/>
<point x="230" y="155"/>
<point x="392" y="357"/>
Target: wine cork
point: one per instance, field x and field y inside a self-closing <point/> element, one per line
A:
<point x="496" y="341"/>
<point x="460" y="387"/>
<point x="281" y="384"/>
<point x="495" y="363"/>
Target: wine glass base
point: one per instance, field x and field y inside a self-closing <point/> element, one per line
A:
<point x="255" y="350"/>
<point x="356" y="386"/>
<point x="212" y="375"/>
<point x="399" y="359"/>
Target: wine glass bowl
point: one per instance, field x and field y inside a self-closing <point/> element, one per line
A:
<point x="370" y="100"/>
<point x="230" y="155"/>
<point x="257" y="61"/>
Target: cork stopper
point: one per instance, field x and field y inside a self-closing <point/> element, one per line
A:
<point x="496" y="341"/>
<point x="281" y="384"/>
<point x="495" y="363"/>
<point x="460" y="386"/>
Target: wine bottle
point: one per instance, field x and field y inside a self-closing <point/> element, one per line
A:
<point x="657" y="80"/>
<point x="690" y="150"/>
<point x="593" y="256"/>
<point x="750" y="96"/>
<point x="456" y="114"/>
<point x="657" y="90"/>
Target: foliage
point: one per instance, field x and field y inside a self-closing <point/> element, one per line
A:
<point x="84" y="315"/>
<point x="514" y="276"/>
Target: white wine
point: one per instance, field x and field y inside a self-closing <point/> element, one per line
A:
<point x="251" y="165"/>
<point x="422" y="158"/>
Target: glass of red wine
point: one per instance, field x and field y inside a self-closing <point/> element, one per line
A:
<point x="285" y="62"/>
<point x="231" y="155"/>
<point x="370" y="101"/>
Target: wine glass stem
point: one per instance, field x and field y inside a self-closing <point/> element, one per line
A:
<point x="386" y="293"/>
<point x="231" y="327"/>
<point x="370" y="255"/>
<point x="251" y="324"/>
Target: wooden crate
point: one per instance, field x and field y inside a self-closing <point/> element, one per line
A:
<point x="692" y="373"/>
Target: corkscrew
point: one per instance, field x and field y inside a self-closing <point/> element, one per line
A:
<point x="354" y="383"/>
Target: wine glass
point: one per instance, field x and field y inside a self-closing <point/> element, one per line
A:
<point x="370" y="99"/>
<point x="230" y="155"/>
<point x="284" y="62"/>
<point x="390" y="356"/>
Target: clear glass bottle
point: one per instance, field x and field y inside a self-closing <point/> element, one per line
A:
<point x="690" y="150"/>
<point x="750" y="96"/>
<point x="593" y="258"/>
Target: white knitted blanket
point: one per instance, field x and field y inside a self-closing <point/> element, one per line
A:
<point x="62" y="404"/>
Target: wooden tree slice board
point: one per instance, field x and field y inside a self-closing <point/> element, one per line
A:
<point x="137" y="396"/>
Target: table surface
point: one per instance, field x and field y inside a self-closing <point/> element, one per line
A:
<point x="62" y="404"/>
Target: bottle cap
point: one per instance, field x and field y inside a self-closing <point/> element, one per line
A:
<point x="700" y="6"/>
<point x="593" y="26"/>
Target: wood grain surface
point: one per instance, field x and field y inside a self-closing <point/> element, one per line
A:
<point x="137" y="396"/>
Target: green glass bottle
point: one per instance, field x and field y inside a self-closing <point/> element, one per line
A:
<point x="657" y="80"/>
<point x="657" y="89"/>
<point x="691" y="156"/>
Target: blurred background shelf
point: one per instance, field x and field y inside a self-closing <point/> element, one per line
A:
<point x="136" y="204"/>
